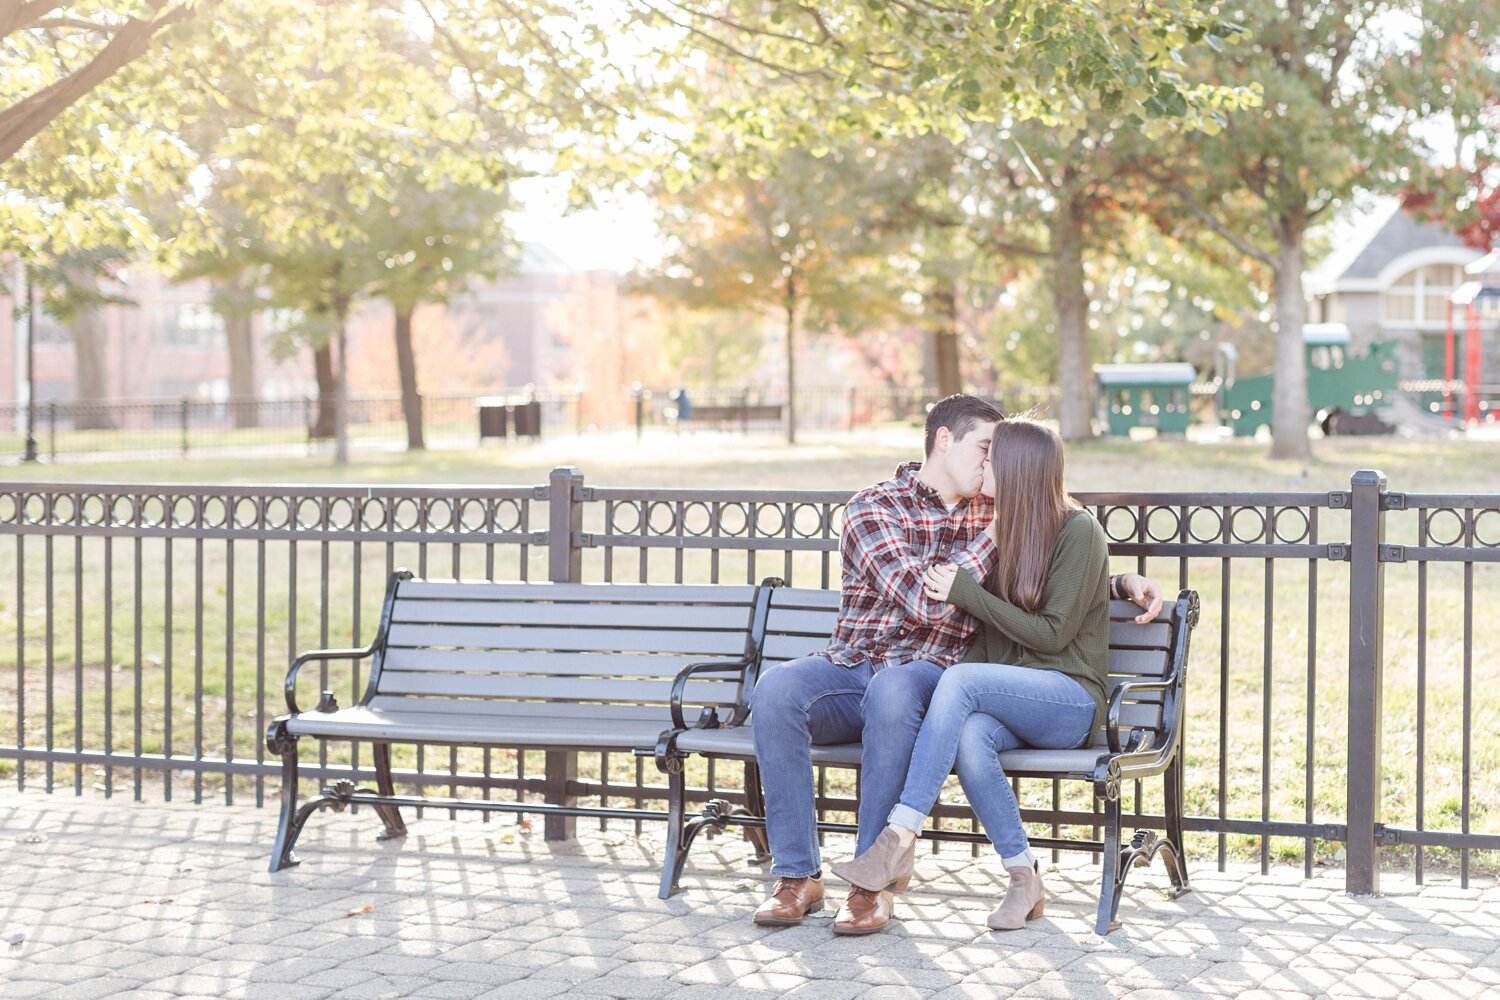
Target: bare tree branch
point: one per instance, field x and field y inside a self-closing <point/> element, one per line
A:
<point x="18" y="14"/>
<point x="77" y="22"/>
<point x="720" y="43"/>
<point x="1202" y="213"/>
<point x="27" y="117"/>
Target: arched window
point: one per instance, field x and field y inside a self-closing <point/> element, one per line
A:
<point x="1421" y="295"/>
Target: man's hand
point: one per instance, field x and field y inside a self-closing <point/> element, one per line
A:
<point x="938" y="580"/>
<point x="1143" y="593"/>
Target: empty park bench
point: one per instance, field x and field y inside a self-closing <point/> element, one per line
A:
<point x="734" y="415"/>
<point x="559" y="667"/>
<point x="1141" y="738"/>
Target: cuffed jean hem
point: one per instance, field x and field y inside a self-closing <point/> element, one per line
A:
<point x="907" y="818"/>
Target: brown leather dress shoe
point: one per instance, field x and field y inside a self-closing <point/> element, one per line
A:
<point x="866" y="911"/>
<point x="793" y="899"/>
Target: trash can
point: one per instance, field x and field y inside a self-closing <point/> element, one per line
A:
<point x="528" y="419"/>
<point x="492" y="417"/>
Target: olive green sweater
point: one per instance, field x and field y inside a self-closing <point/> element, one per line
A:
<point x="1070" y="632"/>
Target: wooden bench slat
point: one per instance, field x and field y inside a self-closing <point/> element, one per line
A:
<point x="1129" y="635"/>
<point x="533" y="730"/>
<point x="707" y="617"/>
<point x="484" y="661"/>
<point x="794" y="598"/>
<point x="570" y="689"/>
<point x="800" y="621"/>
<point x="577" y="640"/>
<point x="788" y="647"/>
<point x="604" y="593"/>
<point x="1139" y="662"/>
<point x="1125" y="611"/>
<point x="576" y="712"/>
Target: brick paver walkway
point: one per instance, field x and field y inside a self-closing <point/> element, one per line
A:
<point x="108" y="897"/>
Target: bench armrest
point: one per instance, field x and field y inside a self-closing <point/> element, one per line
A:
<point x="1112" y="719"/>
<point x="318" y="654"/>
<point x="679" y="685"/>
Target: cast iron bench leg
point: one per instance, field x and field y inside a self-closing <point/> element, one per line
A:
<point x="1176" y="853"/>
<point x="675" y="854"/>
<point x="755" y="805"/>
<point x="1112" y="881"/>
<point x="395" y="827"/>
<point x="287" y="828"/>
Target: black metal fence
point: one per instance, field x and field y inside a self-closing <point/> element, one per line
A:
<point x="181" y="428"/>
<point x="1341" y="698"/>
<point x="749" y="409"/>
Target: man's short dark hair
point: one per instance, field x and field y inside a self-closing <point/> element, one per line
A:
<point x="960" y="413"/>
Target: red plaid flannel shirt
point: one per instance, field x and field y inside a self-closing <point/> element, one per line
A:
<point x="892" y="533"/>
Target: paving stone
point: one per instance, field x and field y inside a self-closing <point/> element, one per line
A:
<point x="620" y="987"/>
<point x="94" y="988"/>
<point x="450" y="990"/>
<point x="282" y="991"/>
<point x="457" y="912"/>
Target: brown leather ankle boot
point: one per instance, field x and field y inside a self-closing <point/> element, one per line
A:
<point x="792" y="899"/>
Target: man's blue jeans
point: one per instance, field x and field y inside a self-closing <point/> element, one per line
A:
<point x="812" y="700"/>
<point x="978" y="710"/>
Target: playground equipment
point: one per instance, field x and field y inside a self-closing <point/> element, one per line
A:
<point x="1148" y="395"/>
<point x="1479" y="297"/>
<point x="1345" y="389"/>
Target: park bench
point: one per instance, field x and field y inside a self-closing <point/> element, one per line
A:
<point x="733" y="415"/>
<point x="559" y="667"/>
<point x="1141" y="739"/>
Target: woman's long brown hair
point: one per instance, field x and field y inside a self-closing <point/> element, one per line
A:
<point x="1030" y="507"/>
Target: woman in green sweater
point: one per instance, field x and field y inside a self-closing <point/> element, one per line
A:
<point x="1035" y="677"/>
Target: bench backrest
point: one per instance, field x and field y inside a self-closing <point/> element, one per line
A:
<point x="800" y="620"/>
<point x="585" y="650"/>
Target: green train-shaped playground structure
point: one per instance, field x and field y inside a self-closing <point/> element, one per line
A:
<point x="1349" y="390"/>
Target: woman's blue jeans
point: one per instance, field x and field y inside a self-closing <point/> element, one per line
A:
<point x="978" y="710"/>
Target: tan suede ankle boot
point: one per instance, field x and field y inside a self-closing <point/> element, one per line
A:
<point x="1024" y="900"/>
<point x="884" y="865"/>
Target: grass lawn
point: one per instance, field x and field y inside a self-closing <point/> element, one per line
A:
<point x="832" y="461"/>
<point x="203" y="683"/>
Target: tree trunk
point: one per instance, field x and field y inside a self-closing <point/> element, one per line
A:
<point x="323" y="425"/>
<point x="1071" y="302"/>
<point x="1289" y="412"/>
<point x="234" y="304"/>
<point x="945" y="342"/>
<point x="91" y="374"/>
<point x="406" y="364"/>
<point x="791" y="359"/>
<point x="341" y="384"/>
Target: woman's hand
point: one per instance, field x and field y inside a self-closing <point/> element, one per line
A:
<point x="1142" y="592"/>
<point x="938" y="581"/>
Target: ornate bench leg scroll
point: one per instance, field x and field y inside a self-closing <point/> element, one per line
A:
<point x="395" y="827"/>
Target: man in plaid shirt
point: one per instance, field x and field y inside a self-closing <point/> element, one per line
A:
<point x="889" y="648"/>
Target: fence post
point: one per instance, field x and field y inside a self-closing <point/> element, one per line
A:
<point x="182" y="424"/>
<point x="564" y="565"/>
<point x="52" y="430"/>
<point x="1366" y="665"/>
